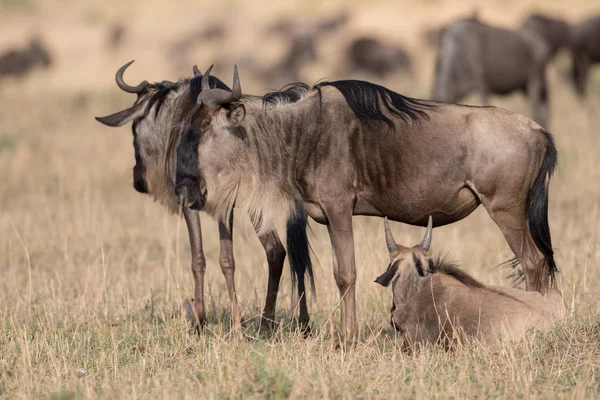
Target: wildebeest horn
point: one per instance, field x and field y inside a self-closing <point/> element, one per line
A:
<point x="215" y="97"/>
<point x="125" y="87"/>
<point x="389" y="238"/>
<point x="195" y="70"/>
<point x="205" y="82"/>
<point x="427" y="238"/>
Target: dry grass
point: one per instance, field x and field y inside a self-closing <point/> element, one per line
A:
<point x="93" y="275"/>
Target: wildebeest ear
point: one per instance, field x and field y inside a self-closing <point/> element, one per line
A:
<point x="385" y="278"/>
<point x="122" y="117"/>
<point x="236" y="115"/>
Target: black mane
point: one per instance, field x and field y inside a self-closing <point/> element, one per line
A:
<point x="290" y="93"/>
<point x="440" y="265"/>
<point x="368" y="101"/>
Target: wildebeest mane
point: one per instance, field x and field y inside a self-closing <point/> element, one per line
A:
<point x="290" y="93"/>
<point x="441" y="265"/>
<point x="369" y="102"/>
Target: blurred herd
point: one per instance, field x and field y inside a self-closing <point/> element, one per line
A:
<point x="472" y="55"/>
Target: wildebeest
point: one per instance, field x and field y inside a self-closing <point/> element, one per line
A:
<point x="370" y="55"/>
<point x="18" y="62"/>
<point x="355" y="148"/>
<point x="555" y="32"/>
<point x="585" y="49"/>
<point x="157" y="115"/>
<point x="477" y="57"/>
<point x="435" y="302"/>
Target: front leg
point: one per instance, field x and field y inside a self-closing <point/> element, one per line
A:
<point x="275" y="258"/>
<point x="228" y="267"/>
<point x="192" y="221"/>
<point x="344" y="270"/>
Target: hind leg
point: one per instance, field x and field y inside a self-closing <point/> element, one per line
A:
<point x="228" y="268"/>
<point x="509" y="216"/>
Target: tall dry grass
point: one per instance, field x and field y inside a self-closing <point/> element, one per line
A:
<point x="93" y="275"/>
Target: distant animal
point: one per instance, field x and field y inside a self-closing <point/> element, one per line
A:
<point x="433" y="36"/>
<point x="370" y="55"/>
<point x="157" y="115"/>
<point x="116" y="35"/>
<point x="20" y="61"/>
<point x="585" y="50"/>
<point x="555" y="32"/>
<point x="474" y="56"/>
<point x="356" y="148"/>
<point x="436" y="302"/>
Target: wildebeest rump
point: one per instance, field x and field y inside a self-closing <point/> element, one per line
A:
<point x="157" y="115"/>
<point x="367" y="54"/>
<point x="585" y="49"/>
<point x="435" y="302"/>
<point x="18" y="62"/>
<point x="477" y="57"/>
<point x="355" y="148"/>
<point x="555" y="32"/>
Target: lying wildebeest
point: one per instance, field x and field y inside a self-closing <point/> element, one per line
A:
<point x="585" y="49"/>
<point x="476" y="56"/>
<point x="157" y="115"/>
<point x="18" y="62"/>
<point x="555" y="32"/>
<point x="355" y="148"/>
<point x="435" y="302"/>
<point x="367" y="54"/>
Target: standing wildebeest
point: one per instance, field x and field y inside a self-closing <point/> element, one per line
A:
<point x="555" y="32"/>
<point x="585" y="47"/>
<point x="355" y="148"/>
<point x="436" y="302"/>
<point x="367" y="54"/>
<point x="157" y="115"/>
<point x="475" y="56"/>
<point x="18" y="62"/>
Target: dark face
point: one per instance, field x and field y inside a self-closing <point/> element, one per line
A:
<point x="139" y="169"/>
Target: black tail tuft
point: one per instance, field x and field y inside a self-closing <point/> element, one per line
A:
<point x="537" y="207"/>
<point x="298" y="252"/>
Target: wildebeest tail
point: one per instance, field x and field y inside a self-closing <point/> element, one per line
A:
<point x="537" y="207"/>
<point x="298" y="251"/>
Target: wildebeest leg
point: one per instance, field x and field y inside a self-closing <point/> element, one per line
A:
<point x="344" y="269"/>
<point x="228" y="267"/>
<point x="512" y="222"/>
<point x="275" y="258"/>
<point x="198" y="264"/>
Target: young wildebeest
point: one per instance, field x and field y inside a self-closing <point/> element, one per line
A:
<point x="586" y="51"/>
<point x="475" y="56"/>
<point x="157" y="116"/>
<point x="435" y="302"/>
<point x="555" y="32"/>
<point x="355" y="148"/>
<point x="18" y="62"/>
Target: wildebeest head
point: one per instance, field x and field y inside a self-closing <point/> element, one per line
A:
<point x="156" y="113"/>
<point x="211" y="142"/>
<point x="407" y="266"/>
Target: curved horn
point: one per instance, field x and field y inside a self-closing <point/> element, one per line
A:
<point x="196" y="71"/>
<point x="205" y="84"/>
<point x="427" y="238"/>
<point x="389" y="238"/>
<point x="125" y="87"/>
<point x="236" y="91"/>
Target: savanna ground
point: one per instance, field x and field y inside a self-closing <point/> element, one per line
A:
<point x="93" y="274"/>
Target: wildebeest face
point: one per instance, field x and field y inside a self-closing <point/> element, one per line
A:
<point x="209" y="153"/>
<point x="407" y="266"/>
